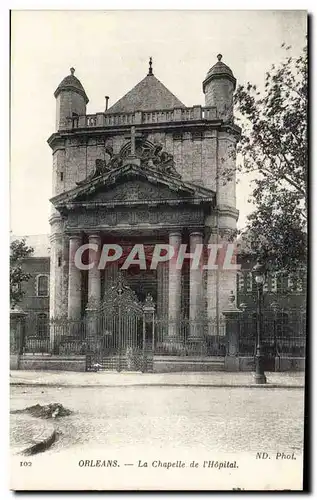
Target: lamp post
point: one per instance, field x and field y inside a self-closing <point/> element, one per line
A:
<point x="259" y="272"/>
<point x="274" y="307"/>
<point x="243" y="327"/>
<point x="243" y="307"/>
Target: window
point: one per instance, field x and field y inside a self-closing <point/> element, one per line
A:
<point x="75" y="119"/>
<point x="249" y="282"/>
<point x="295" y="284"/>
<point x="274" y="283"/>
<point x="42" y="326"/>
<point x="291" y="283"/>
<point x="300" y="287"/>
<point x="42" y="285"/>
<point x="240" y="282"/>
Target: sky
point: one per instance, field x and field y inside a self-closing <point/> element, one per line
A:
<point x="110" y="52"/>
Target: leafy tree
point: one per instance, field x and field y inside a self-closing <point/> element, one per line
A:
<point x="18" y="252"/>
<point x="273" y="147"/>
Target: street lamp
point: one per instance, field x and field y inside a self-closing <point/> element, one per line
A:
<point x="259" y="272"/>
<point x="243" y="307"/>
<point x="275" y="308"/>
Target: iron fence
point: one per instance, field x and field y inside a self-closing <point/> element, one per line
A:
<point x="187" y="337"/>
<point x="108" y="342"/>
<point x="284" y="333"/>
<point x="62" y="336"/>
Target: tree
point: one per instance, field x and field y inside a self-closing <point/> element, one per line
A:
<point x="18" y="252"/>
<point x="274" y="147"/>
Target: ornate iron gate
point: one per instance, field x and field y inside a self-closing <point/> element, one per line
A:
<point x="120" y="322"/>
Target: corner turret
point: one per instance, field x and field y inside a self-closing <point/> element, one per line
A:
<point x="218" y="88"/>
<point x="71" y="100"/>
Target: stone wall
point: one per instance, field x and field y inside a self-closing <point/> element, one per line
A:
<point x="219" y="93"/>
<point x="64" y="363"/>
<point x="68" y="102"/>
<point x="197" y="155"/>
<point x="30" y="302"/>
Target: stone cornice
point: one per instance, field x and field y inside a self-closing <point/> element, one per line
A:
<point x="71" y="88"/>
<point x="186" y="192"/>
<point x="129" y="203"/>
<point x="146" y="128"/>
<point x="219" y="76"/>
<point x="55" y="218"/>
<point x="227" y="211"/>
<point x="33" y="258"/>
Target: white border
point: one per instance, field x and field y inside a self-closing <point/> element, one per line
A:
<point x="4" y="138"/>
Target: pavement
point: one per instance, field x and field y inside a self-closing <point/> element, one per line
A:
<point x="30" y="435"/>
<point x="276" y="380"/>
<point x="166" y="423"/>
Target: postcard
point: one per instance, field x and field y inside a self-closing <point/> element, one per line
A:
<point x="158" y="250"/>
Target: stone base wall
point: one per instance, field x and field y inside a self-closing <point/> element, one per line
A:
<point x="161" y="364"/>
<point x="59" y="363"/>
<point x="277" y="364"/>
<point x="166" y="364"/>
<point x="246" y="364"/>
<point x="14" y="361"/>
<point x="289" y="364"/>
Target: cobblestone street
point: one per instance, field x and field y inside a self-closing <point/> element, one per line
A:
<point x="215" y="419"/>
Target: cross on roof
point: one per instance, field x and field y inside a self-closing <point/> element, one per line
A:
<point x="133" y="136"/>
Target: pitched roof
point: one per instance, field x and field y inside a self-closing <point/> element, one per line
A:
<point x="148" y="94"/>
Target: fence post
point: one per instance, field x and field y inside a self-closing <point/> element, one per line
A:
<point x="17" y="335"/>
<point x="233" y="318"/>
<point x="148" y="316"/>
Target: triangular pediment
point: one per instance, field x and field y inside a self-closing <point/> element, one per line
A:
<point x="133" y="184"/>
<point x="130" y="190"/>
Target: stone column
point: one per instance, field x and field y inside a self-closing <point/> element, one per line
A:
<point x="162" y="290"/>
<point x="56" y="269"/>
<point x="17" y="336"/>
<point x="74" y="279"/>
<point x="94" y="285"/>
<point x="212" y="282"/>
<point x="17" y="330"/>
<point x="174" y="288"/>
<point x="196" y="289"/>
<point x="221" y="280"/>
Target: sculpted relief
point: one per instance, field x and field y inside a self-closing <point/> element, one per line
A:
<point x="161" y="161"/>
<point x="151" y="157"/>
<point x="100" y="218"/>
<point x="134" y="190"/>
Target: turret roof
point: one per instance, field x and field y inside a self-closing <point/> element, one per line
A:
<point x="219" y="70"/>
<point x="71" y="82"/>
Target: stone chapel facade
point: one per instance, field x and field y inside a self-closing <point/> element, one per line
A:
<point x="148" y="169"/>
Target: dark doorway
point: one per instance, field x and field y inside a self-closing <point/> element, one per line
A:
<point x="142" y="282"/>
